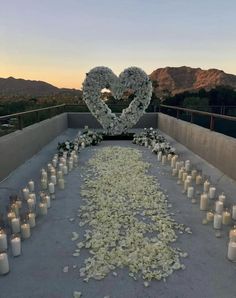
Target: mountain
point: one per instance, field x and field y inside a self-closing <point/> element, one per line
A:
<point x="172" y="80"/>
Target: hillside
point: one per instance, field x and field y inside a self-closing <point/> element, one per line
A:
<point x="173" y="80"/>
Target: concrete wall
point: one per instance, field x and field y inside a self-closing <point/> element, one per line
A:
<point x="79" y="120"/>
<point x="17" y="147"/>
<point x="216" y="148"/>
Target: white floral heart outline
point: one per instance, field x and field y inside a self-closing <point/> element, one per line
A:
<point x="131" y="78"/>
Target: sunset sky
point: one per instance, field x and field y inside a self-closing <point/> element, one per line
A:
<point x="58" y="41"/>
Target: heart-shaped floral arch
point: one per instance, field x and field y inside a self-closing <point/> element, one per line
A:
<point x="132" y="78"/>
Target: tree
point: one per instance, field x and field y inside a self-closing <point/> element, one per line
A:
<point x="196" y="103"/>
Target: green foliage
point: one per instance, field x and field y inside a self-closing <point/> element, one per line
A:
<point x="196" y="103"/>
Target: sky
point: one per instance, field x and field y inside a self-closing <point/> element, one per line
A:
<point x="58" y="41"/>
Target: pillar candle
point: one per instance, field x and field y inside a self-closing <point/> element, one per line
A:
<point x="234" y="212"/>
<point x="3" y="241"/>
<point x="173" y="161"/>
<point x="186" y="162"/>
<point x="186" y="184"/>
<point x="33" y="197"/>
<point x="4" y="264"/>
<point x="61" y="183"/>
<point x="212" y="192"/>
<point x="51" y="188"/>
<point x="159" y="156"/>
<point x="19" y="203"/>
<point x="222" y="198"/>
<point x="65" y="170"/>
<point x="15" y="225"/>
<point x="48" y="201"/>
<point x="49" y="166"/>
<point x="10" y="216"/>
<point x="194" y="174"/>
<point x="174" y="172"/>
<point x="25" y="193"/>
<point x="169" y="157"/>
<point x="187" y="166"/>
<point x="43" y="210"/>
<point x="44" y="174"/>
<point x="83" y="145"/>
<point x="206" y="186"/>
<point x="25" y="231"/>
<point x="54" y="162"/>
<point x="226" y="217"/>
<point x="60" y="167"/>
<point x="75" y="160"/>
<point x="210" y="216"/>
<point x="190" y="192"/>
<point x="54" y="179"/>
<point x="189" y="177"/>
<point x="53" y="171"/>
<point x="163" y="160"/>
<point x="217" y="221"/>
<point x="59" y="174"/>
<point x="31" y="220"/>
<point x="198" y="179"/>
<point x="232" y="251"/>
<point x="204" y="202"/>
<point x="184" y="176"/>
<point x="180" y="174"/>
<point x="44" y="184"/>
<point x="31" y="204"/>
<point x="31" y="186"/>
<point x="16" y="246"/>
<point x="232" y="234"/>
<point x="219" y="207"/>
<point x="15" y="209"/>
<point x="70" y="166"/>
<point x="177" y="165"/>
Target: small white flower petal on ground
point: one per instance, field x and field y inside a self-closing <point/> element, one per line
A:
<point x="77" y="294"/>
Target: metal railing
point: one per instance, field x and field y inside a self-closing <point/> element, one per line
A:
<point x="212" y="117"/>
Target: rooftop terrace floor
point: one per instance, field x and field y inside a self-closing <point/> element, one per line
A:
<point x="38" y="272"/>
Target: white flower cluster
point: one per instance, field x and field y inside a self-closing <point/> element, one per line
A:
<point x="132" y="78"/>
<point x="126" y="221"/>
<point x="151" y="138"/>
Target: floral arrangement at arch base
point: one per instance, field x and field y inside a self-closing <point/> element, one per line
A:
<point x="132" y="78"/>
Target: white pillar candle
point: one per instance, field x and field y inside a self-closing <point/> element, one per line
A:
<point x="212" y="192"/>
<point x="54" y="179"/>
<point x="226" y="217"/>
<point x="173" y="161"/>
<point x="234" y="212"/>
<point x="232" y="251"/>
<point x="25" y="231"/>
<point x="44" y="184"/>
<point x="186" y="184"/>
<point x="31" y="204"/>
<point x="53" y="171"/>
<point x="31" y="186"/>
<point x="163" y="160"/>
<point x="189" y="177"/>
<point x="217" y="222"/>
<point x="54" y="162"/>
<point x="177" y="165"/>
<point x="49" y="166"/>
<point x="159" y="156"/>
<point x="75" y="160"/>
<point x="180" y="174"/>
<point x="198" y="179"/>
<point x="210" y="216"/>
<point x="174" y="172"/>
<point x="232" y="234"/>
<point x="70" y="166"/>
<point x="204" y="202"/>
<point x="222" y="198"/>
<point x="206" y="186"/>
<point x="3" y="241"/>
<point x="59" y="174"/>
<point x="16" y="246"/>
<point x="19" y="203"/>
<point x="219" y="207"/>
<point x="187" y="166"/>
<point x="61" y="183"/>
<point x="44" y="174"/>
<point x="15" y="225"/>
<point x="33" y="197"/>
<point x="31" y="220"/>
<point x="48" y="201"/>
<point x="169" y="156"/>
<point x="65" y="170"/>
<point x="51" y="188"/>
<point x="10" y="216"/>
<point x="43" y="210"/>
<point x="184" y="176"/>
<point x="83" y="144"/>
<point x="15" y="209"/>
<point x="190" y="192"/>
<point x="25" y="193"/>
<point x="194" y="174"/>
<point x="60" y="167"/>
<point x="4" y="264"/>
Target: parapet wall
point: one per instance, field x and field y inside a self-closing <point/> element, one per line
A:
<point x="216" y="148"/>
<point x="17" y="147"/>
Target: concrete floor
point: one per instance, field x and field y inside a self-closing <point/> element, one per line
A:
<point x="39" y="271"/>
